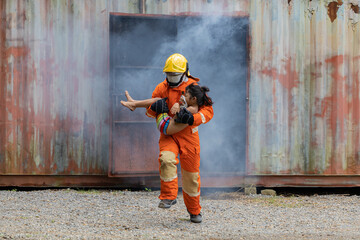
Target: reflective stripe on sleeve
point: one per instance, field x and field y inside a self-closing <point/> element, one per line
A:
<point x="202" y="117"/>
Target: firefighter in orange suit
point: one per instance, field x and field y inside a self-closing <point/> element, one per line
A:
<point x="184" y="143"/>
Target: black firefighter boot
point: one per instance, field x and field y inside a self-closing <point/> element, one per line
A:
<point x="166" y="203"/>
<point x="196" y="218"/>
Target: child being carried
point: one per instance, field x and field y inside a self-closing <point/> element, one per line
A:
<point x="194" y="97"/>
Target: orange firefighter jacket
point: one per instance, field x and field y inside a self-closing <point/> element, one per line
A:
<point x="163" y="90"/>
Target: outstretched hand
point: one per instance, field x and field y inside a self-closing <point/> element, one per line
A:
<point x="175" y="108"/>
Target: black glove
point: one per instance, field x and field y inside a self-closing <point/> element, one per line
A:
<point x="160" y="106"/>
<point x="184" y="116"/>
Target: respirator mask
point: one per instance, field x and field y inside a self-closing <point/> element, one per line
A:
<point x="174" y="79"/>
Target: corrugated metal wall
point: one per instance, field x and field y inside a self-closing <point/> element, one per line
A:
<point x="54" y="101"/>
<point x="304" y="108"/>
<point x="304" y="112"/>
<point x="54" y="88"/>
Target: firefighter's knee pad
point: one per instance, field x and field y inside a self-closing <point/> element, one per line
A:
<point x="162" y="122"/>
<point x="168" y="170"/>
<point x="190" y="183"/>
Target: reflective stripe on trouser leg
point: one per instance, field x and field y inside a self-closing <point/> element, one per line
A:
<point x="191" y="191"/>
<point x="168" y="175"/>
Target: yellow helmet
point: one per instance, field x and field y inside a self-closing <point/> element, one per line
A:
<point x="176" y="63"/>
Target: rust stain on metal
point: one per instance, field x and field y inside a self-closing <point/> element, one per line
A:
<point x="317" y="109"/>
<point x="19" y="77"/>
<point x="2" y="85"/>
<point x="317" y="116"/>
<point x="286" y="75"/>
<point x="333" y="8"/>
<point x="54" y="89"/>
<point x="304" y="180"/>
<point x="355" y="8"/>
<point x="338" y="97"/>
<point x="46" y="123"/>
<point x="290" y="6"/>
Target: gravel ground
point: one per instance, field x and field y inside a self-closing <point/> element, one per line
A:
<point x="106" y="214"/>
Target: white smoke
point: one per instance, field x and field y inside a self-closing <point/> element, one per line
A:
<point x="216" y="50"/>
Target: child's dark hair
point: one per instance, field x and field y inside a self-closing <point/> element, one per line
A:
<point x="200" y="94"/>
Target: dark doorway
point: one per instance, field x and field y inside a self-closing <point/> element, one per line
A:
<point x="217" y="51"/>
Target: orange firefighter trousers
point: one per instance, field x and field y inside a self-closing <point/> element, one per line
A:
<point x="184" y="143"/>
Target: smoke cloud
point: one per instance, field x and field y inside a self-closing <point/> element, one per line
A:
<point x="216" y="49"/>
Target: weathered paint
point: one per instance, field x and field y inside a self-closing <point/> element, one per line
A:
<point x="307" y="53"/>
<point x="54" y="89"/>
<point x="303" y="88"/>
<point x="174" y="7"/>
<point x="54" y="86"/>
<point x="50" y="125"/>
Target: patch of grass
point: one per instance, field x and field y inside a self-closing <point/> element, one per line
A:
<point x="90" y="191"/>
<point x="117" y="193"/>
<point x="285" y="202"/>
<point x="12" y="190"/>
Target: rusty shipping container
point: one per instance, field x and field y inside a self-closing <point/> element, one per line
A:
<point x="304" y="93"/>
<point x="61" y="124"/>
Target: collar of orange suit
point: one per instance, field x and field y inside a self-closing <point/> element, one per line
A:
<point x="183" y="86"/>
